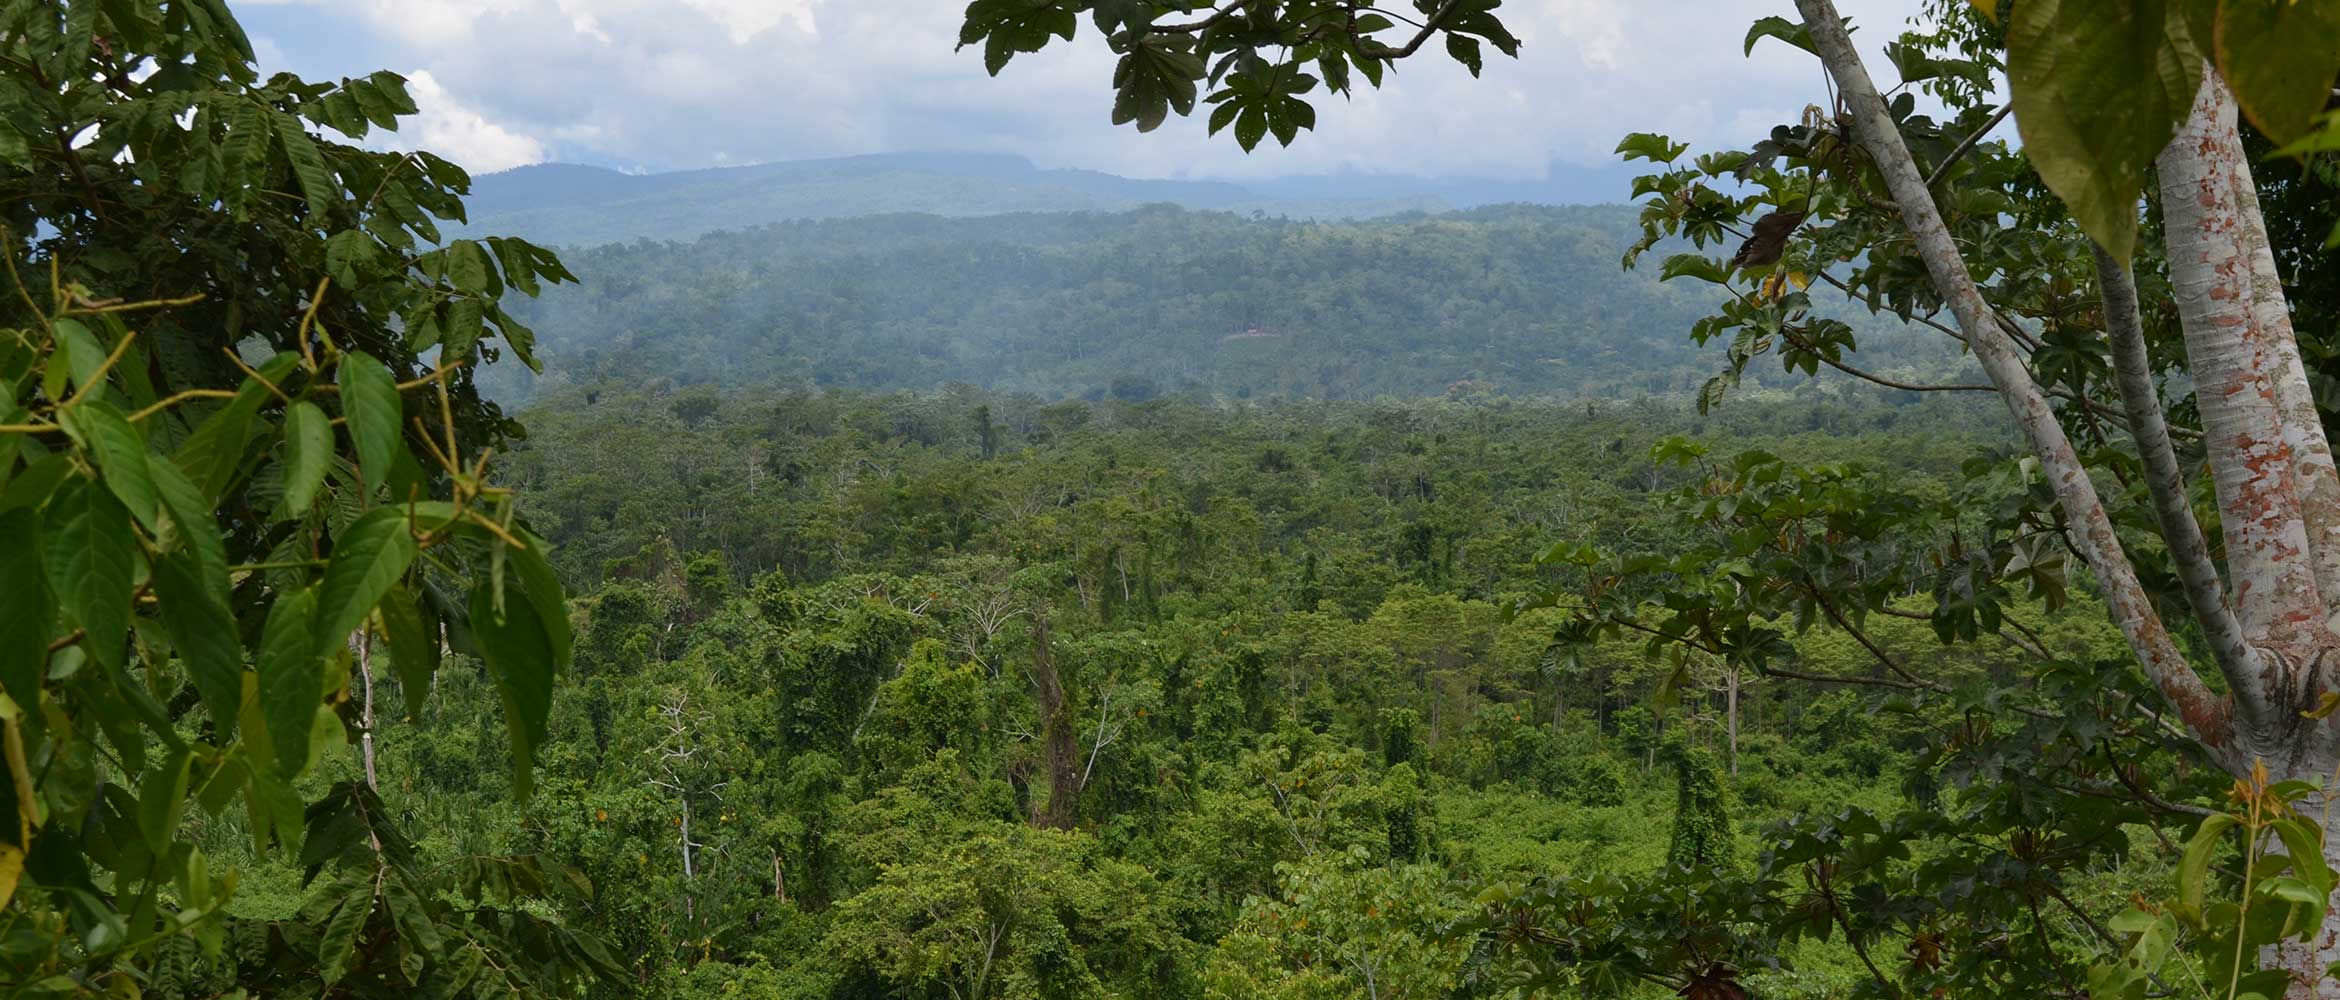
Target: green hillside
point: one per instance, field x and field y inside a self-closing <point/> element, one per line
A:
<point x="1517" y="300"/>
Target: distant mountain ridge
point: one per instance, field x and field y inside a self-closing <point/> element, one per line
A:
<point x="570" y="204"/>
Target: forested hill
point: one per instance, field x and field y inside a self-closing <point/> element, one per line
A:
<point x="1523" y="300"/>
<point x="580" y="205"/>
<point x="577" y="205"/>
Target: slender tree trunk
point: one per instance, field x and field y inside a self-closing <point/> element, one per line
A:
<point x="1058" y="742"/>
<point x="1731" y="713"/>
<point x="2208" y="715"/>
<point x="364" y="643"/>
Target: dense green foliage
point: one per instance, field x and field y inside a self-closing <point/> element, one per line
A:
<point x="929" y="695"/>
<point x="1200" y="686"/>
<point x="1517" y="300"/>
<point x="216" y="320"/>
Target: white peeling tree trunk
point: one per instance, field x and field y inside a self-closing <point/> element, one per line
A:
<point x="2278" y="499"/>
<point x="2237" y="368"/>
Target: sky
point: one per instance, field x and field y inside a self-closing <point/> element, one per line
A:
<point x="652" y="85"/>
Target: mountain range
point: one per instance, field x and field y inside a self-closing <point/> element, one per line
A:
<point x="568" y="204"/>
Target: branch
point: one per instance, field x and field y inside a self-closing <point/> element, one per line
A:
<point x="1880" y="379"/>
<point x="2166" y="483"/>
<point x="2210" y="716"/>
<point x="1967" y="145"/>
<point x="1191" y="27"/>
<point x="1387" y="54"/>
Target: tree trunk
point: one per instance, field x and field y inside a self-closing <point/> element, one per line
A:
<point x="1731" y="713"/>
<point x="1058" y="742"/>
<point x="2236" y="367"/>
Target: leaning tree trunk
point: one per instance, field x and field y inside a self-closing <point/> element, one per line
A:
<point x="2278" y="495"/>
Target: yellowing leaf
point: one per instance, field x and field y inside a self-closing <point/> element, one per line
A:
<point x="2099" y="88"/>
<point x="1988" y="8"/>
<point x="2325" y="706"/>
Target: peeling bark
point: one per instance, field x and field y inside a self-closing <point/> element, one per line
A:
<point x="2209" y="716"/>
<point x="2303" y="427"/>
<point x="2236" y="365"/>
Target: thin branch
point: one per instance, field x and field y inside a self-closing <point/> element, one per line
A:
<point x="1887" y="382"/>
<point x="1204" y="24"/>
<point x="1967" y="145"/>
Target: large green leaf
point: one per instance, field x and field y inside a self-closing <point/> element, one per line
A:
<point x="2280" y="57"/>
<point x="211" y="455"/>
<point x="193" y="528"/>
<point x="519" y="654"/>
<point x="369" y="399"/>
<point x="162" y="793"/>
<point x="290" y="682"/>
<point x="120" y="450"/>
<point x="337" y="946"/>
<point x="2100" y="86"/>
<point x="308" y="164"/>
<point x="368" y="558"/>
<point x="308" y="454"/>
<point x="26" y="612"/>
<point x="90" y="555"/>
<point x="196" y="615"/>
<point x="545" y="594"/>
<point x="414" y="646"/>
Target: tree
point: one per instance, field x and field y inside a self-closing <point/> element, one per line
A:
<point x="1702" y="812"/>
<point x="242" y="457"/>
<point x="2107" y="93"/>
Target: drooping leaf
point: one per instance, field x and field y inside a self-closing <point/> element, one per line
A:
<point x="290" y="689"/>
<point x="121" y="456"/>
<point x="369" y="399"/>
<point x="369" y="555"/>
<point x="26" y="611"/>
<point x="211" y="455"/>
<point x="414" y="646"/>
<point x="2280" y="57"/>
<point x="1792" y="32"/>
<point x="162" y="793"/>
<point x="308" y="454"/>
<point x="409" y="916"/>
<point x="193" y="530"/>
<point x="90" y="556"/>
<point x="337" y="946"/>
<point x="545" y="594"/>
<point x="2193" y="870"/>
<point x="308" y="164"/>
<point x="196" y="616"/>
<point x="520" y="656"/>
<point x="2100" y="86"/>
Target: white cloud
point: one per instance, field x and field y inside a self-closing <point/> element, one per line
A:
<point x="450" y="128"/>
<point x="667" y="85"/>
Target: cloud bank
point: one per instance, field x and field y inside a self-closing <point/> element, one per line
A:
<point x="678" y="84"/>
